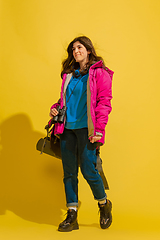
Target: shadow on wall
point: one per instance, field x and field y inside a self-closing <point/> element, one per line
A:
<point x="31" y="184"/>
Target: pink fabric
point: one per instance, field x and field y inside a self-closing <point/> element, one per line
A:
<point x="100" y="81"/>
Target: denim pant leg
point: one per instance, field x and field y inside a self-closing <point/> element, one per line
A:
<point x="88" y="160"/>
<point x="70" y="166"/>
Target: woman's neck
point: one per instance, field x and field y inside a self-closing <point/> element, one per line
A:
<point x="82" y="66"/>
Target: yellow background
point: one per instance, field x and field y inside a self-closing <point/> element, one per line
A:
<point x="34" y="35"/>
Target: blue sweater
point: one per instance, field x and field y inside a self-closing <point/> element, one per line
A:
<point x="76" y="114"/>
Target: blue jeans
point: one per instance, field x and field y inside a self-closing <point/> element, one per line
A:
<point x="77" y="151"/>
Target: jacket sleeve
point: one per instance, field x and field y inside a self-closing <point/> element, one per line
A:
<point x="55" y="106"/>
<point x="103" y="99"/>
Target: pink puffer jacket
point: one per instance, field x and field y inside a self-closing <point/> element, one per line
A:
<point x="99" y="95"/>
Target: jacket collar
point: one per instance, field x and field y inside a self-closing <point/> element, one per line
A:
<point x="99" y="64"/>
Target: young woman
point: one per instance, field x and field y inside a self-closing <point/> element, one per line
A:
<point x="86" y="93"/>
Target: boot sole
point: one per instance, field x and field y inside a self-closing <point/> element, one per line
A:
<point x="70" y="228"/>
<point x="107" y="225"/>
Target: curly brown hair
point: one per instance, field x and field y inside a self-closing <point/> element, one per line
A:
<point x="70" y="65"/>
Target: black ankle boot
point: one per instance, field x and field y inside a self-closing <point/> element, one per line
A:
<point x="70" y="223"/>
<point x="105" y="214"/>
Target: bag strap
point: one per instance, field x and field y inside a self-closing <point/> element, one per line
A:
<point x="45" y="138"/>
<point x="100" y="169"/>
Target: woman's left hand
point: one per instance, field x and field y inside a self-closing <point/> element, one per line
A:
<point x="95" y="138"/>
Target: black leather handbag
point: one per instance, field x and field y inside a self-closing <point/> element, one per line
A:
<point x="50" y="144"/>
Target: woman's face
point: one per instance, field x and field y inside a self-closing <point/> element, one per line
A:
<point x="80" y="53"/>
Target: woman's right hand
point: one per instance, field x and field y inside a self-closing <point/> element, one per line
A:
<point x="53" y="112"/>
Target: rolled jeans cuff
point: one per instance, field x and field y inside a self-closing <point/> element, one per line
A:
<point x="73" y="204"/>
<point x="101" y="198"/>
